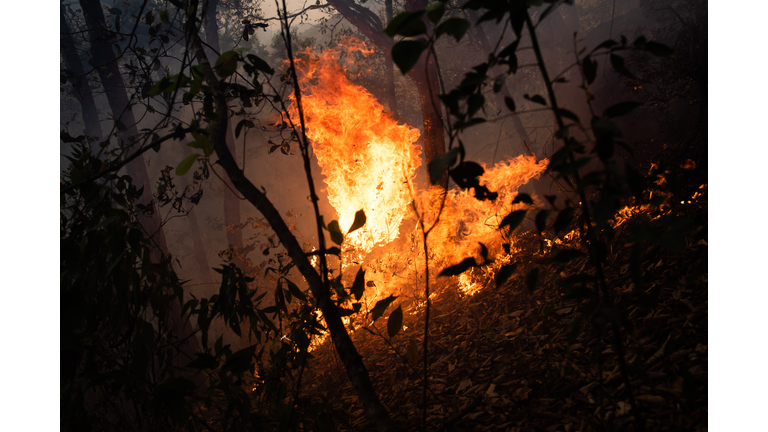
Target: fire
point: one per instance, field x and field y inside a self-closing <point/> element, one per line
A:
<point x="366" y="157"/>
<point x="369" y="162"/>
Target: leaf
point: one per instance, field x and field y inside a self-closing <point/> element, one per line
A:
<point x="295" y="291"/>
<point x="406" y="53"/>
<point x="513" y="220"/>
<point x="240" y="361"/>
<point x="406" y="24"/>
<point x="395" y="322"/>
<point x="618" y="64"/>
<point x="358" y="222"/>
<point x="459" y="268"/>
<point x="567" y="255"/>
<point x="510" y="103"/>
<point x="260" y="64"/>
<point x="466" y="174"/>
<point x="524" y="198"/>
<point x="658" y="49"/>
<point x="539" y="99"/>
<point x="435" y="11"/>
<point x="563" y="219"/>
<point x="413" y="352"/>
<point x="541" y="220"/>
<point x="590" y="69"/>
<point x="531" y="278"/>
<point x="358" y="286"/>
<point x="381" y="306"/>
<point x="203" y="361"/>
<point x="568" y="114"/>
<point x="455" y="27"/>
<point x="440" y="164"/>
<point x="504" y="273"/>
<point x="226" y="64"/>
<point x="620" y="109"/>
<point x="240" y="126"/>
<point x="186" y="164"/>
<point x="164" y="17"/>
<point x="336" y="235"/>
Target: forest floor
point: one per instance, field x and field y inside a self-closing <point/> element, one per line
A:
<point x="501" y="359"/>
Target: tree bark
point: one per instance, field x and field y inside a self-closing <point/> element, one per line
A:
<point x="352" y="360"/>
<point x="104" y="60"/>
<point x="78" y="79"/>
<point x="426" y="82"/>
<point x="389" y="68"/>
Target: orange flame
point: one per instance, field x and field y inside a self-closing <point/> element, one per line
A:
<point x="369" y="162"/>
<point x="364" y="155"/>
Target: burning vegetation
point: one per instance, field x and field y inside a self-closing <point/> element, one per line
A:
<point x="559" y="286"/>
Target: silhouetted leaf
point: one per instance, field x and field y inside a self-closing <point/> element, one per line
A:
<point x="440" y="163"/>
<point x="406" y="24"/>
<point x="186" y="164"/>
<point x="590" y="69"/>
<point x="524" y="198"/>
<point x="459" y="268"/>
<point x="513" y="220"/>
<point x="240" y="361"/>
<point x="164" y="17"/>
<point x="658" y="49"/>
<point x="395" y="322"/>
<point x="203" y="361"/>
<point x="536" y="98"/>
<point x="563" y="219"/>
<point x="620" y="109"/>
<point x="241" y="124"/>
<point x="435" y="11"/>
<point x="226" y="64"/>
<point x="381" y="306"/>
<point x="455" y="27"/>
<point x="504" y="273"/>
<point x="466" y="174"/>
<point x="358" y="286"/>
<point x="567" y="114"/>
<point x="295" y="291"/>
<point x="358" y="222"/>
<point x="260" y="64"/>
<point x="406" y="53"/>
<point x="336" y="235"/>
<point x="510" y="103"/>
<point x="541" y="220"/>
<point x="618" y="64"/>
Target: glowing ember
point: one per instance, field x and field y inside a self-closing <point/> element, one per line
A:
<point x="364" y="154"/>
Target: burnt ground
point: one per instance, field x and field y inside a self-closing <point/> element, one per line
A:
<point x="501" y="360"/>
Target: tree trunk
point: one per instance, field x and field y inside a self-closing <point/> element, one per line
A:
<point x="104" y="60"/>
<point x="231" y="202"/>
<point x="356" y="370"/>
<point x="79" y="80"/>
<point x="370" y="25"/>
<point x="389" y="69"/>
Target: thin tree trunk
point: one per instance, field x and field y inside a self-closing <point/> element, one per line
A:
<point x="231" y="202"/>
<point x="389" y="70"/>
<point x="427" y="85"/>
<point x="79" y="80"/>
<point x="356" y="370"/>
<point x="104" y="60"/>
